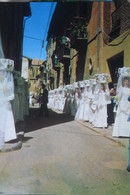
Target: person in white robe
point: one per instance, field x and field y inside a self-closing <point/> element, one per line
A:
<point x="87" y="98"/>
<point x="92" y="100"/>
<point x="103" y="98"/>
<point x="60" y="98"/>
<point x="80" y="109"/>
<point x="7" y="125"/>
<point x="122" y="126"/>
<point x="64" y="94"/>
<point x="56" y="99"/>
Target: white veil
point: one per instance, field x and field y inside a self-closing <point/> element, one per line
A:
<point x="6" y="80"/>
<point x="123" y="74"/>
<point x="6" y="85"/>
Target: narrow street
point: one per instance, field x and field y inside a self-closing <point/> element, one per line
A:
<point x="59" y="156"/>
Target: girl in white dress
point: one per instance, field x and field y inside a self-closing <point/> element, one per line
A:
<point x="87" y="98"/>
<point x="122" y="126"/>
<point x="63" y="99"/>
<point x="80" y="109"/>
<point x="59" y="99"/>
<point x="7" y="126"/>
<point x="93" y="99"/>
<point x="56" y="99"/>
<point x="103" y="99"/>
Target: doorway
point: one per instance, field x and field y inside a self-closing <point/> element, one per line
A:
<point x="114" y="63"/>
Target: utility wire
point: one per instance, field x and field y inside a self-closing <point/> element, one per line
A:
<point x="104" y="33"/>
<point x="48" y="22"/>
<point x="32" y="38"/>
<point x="116" y="44"/>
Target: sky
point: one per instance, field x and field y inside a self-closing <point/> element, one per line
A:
<point x="36" y="28"/>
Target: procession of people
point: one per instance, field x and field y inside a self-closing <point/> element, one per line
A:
<point x="96" y="101"/>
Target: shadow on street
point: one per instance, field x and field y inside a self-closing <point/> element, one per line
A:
<point x="34" y="122"/>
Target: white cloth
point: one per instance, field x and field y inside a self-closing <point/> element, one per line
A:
<point x="101" y="112"/>
<point x="122" y="126"/>
<point x="86" y="112"/>
<point x="80" y="109"/>
<point x="93" y="108"/>
<point x="7" y="126"/>
<point x="60" y="106"/>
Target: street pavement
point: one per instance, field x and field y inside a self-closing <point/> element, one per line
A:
<point x="21" y="127"/>
<point x="60" y="156"/>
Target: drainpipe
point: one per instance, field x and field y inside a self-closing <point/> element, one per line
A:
<point x="25" y="21"/>
<point x="98" y="33"/>
<point x="24" y="27"/>
<point x="70" y="64"/>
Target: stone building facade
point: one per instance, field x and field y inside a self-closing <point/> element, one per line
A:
<point x="12" y="21"/>
<point x="97" y="40"/>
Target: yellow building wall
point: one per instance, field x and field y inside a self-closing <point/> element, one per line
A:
<point x="110" y="51"/>
<point x="105" y="51"/>
<point x="93" y="47"/>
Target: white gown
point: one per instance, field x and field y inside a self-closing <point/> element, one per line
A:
<point x="122" y="126"/>
<point x="7" y="126"/>
<point x="86" y="113"/>
<point x="60" y="102"/>
<point x="101" y="112"/>
<point x="80" y="109"/>
<point x="92" y="108"/>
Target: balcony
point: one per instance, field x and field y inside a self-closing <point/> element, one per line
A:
<point x="50" y="76"/>
<point x="116" y="22"/>
<point x="77" y="32"/>
<point x="66" y="56"/>
<point x="62" y="52"/>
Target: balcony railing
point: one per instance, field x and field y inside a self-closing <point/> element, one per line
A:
<point x="77" y="31"/>
<point x="116" y="18"/>
<point x="62" y="51"/>
<point x="116" y="21"/>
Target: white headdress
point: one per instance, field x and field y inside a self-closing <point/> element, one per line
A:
<point x="81" y="84"/>
<point x="6" y="64"/>
<point x="123" y="74"/>
<point x="93" y="81"/>
<point x="75" y="85"/>
<point x="6" y="79"/>
<point x="102" y="78"/>
<point x="87" y="83"/>
<point x="125" y="71"/>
